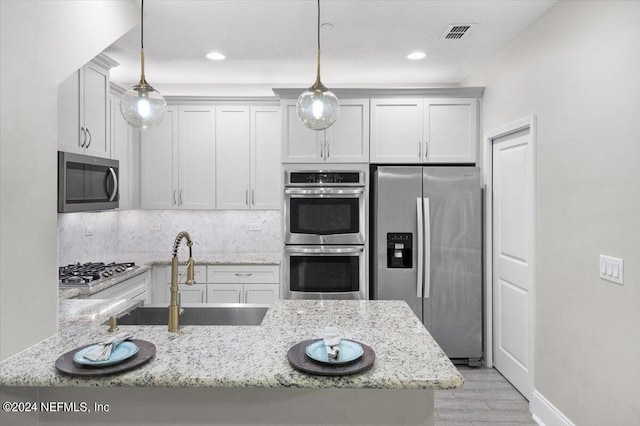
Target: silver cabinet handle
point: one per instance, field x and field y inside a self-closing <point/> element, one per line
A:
<point x="174" y="197"/>
<point x="321" y="149"/>
<point x="239" y="296"/>
<point x="84" y="138"/>
<point x="180" y="197"/>
<point x="246" y="197"/>
<point x="89" y="143"/>
<point x="253" y="197"/>
<point x="328" y="149"/>
<point x="237" y="274"/>
<point x="426" y="150"/>
<point x="419" y="149"/>
<point x="246" y="296"/>
<point x="115" y="184"/>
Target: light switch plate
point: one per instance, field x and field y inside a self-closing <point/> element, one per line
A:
<point x="612" y="269"/>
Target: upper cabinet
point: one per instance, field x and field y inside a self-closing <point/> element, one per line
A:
<point x="83" y="110"/>
<point x="248" y="157"/>
<point x="424" y="130"/>
<point x="123" y="146"/>
<point x="346" y="141"/>
<point x="177" y="158"/>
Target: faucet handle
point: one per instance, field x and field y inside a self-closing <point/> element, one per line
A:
<point x="190" y="272"/>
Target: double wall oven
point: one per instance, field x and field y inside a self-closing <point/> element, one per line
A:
<point x="325" y="234"/>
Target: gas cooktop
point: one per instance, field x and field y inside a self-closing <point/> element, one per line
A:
<point x="92" y="273"/>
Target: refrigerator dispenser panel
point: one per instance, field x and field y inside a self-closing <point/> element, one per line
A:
<point x="399" y="250"/>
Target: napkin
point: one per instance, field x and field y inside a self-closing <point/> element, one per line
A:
<point x="102" y="351"/>
<point x="332" y="341"/>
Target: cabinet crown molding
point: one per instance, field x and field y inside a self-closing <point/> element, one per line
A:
<point x="226" y="100"/>
<point x="435" y="92"/>
<point x="105" y="61"/>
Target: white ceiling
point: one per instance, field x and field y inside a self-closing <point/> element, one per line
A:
<point x="274" y="41"/>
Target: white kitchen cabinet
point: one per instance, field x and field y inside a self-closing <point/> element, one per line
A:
<point x="248" y="157"/>
<point x="83" y="111"/>
<point x="424" y="130"/>
<point x="135" y="288"/>
<point x="159" y="163"/>
<point x="346" y="141"/>
<point x="243" y="283"/>
<point x="177" y="158"/>
<point x="196" y="293"/>
<point x="123" y="141"/>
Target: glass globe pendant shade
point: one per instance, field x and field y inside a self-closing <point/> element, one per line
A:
<point x="318" y="108"/>
<point x="142" y="106"/>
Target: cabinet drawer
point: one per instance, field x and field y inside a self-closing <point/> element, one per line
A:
<point x="129" y="289"/>
<point x="196" y="293"/>
<point x="200" y="274"/>
<point x="244" y="274"/>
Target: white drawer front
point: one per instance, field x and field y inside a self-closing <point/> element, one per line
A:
<point x="200" y="274"/>
<point x="244" y="274"/>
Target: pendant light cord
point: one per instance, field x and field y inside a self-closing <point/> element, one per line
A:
<point x="318" y="83"/>
<point x="142" y="79"/>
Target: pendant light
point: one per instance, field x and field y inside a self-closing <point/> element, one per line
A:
<point x="142" y="106"/>
<point x="318" y="107"/>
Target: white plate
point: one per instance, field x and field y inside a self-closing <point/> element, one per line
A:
<point x="349" y="351"/>
<point x="123" y="351"/>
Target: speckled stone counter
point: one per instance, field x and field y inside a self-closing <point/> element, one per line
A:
<point x="249" y="356"/>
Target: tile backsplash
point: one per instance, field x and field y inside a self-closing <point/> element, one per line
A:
<point x="116" y="234"/>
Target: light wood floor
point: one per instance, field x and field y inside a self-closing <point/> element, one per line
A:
<point x="486" y="398"/>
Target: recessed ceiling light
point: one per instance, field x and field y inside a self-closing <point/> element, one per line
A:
<point x="416" y="55"/>
<point x="216" y="56"/>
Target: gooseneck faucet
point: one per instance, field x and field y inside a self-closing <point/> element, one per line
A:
<point x="174" y="306"/>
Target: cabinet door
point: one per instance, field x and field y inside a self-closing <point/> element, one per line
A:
<point x="261" y="293"/>
<point x="347" y="140"/>
<point x="300" y="144"/>
<point x="450" y="130"/>
<point x="233" y="145"/>
<point x="396" y="130"/>
<point x="122" y="150"/>
<point x="196" y="293"/>
<point x="224" y="293"/>
<point x="159" y="164"/>
<point x="94" y="106"/>
<point x="266" y="187"/>
<point x="70" y="137"/>
<point x="197" y="152"/>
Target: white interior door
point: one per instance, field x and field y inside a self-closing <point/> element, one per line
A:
<point x="513" y="192"/>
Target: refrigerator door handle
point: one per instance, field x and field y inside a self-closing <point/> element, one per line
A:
<point x="427" y="248"/>
<point x="419" y="203"/>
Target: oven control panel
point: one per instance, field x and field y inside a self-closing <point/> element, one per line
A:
<point x="324" y="177"/>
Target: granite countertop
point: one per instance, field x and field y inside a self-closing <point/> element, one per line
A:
<point x="407" y="357"/>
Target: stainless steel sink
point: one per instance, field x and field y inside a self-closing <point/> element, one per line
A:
<point x="213" y="314"/>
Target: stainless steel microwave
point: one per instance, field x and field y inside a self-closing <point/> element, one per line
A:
<point x="86" y="183"/>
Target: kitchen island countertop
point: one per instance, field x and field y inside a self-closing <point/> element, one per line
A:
<point x="407" y="357"/>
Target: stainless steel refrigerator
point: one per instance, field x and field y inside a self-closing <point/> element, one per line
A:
<point x="426" y="236"/>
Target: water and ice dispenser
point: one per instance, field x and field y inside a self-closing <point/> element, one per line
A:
<point x="399" y="250"/>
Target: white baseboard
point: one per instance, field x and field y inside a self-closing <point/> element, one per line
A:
<point x="545" y="413"/>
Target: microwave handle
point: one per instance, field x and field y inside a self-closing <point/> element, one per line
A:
<point x="115" y="184"/>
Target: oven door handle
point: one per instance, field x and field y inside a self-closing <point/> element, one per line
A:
<point x="324" y="191"/>
<point x="324" y="250"/>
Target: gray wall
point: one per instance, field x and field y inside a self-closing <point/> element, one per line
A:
<point x="578" y="70"/>
<point x="43" y="42"/>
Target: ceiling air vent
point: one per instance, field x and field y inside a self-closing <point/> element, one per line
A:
<point x="457" y="31"/>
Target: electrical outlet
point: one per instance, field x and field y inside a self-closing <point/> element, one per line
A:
<point x="255" y="227"/>
<point x="612" y="269"/>
<point x="89" y="230"/>
<point x="155" y="224"/>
